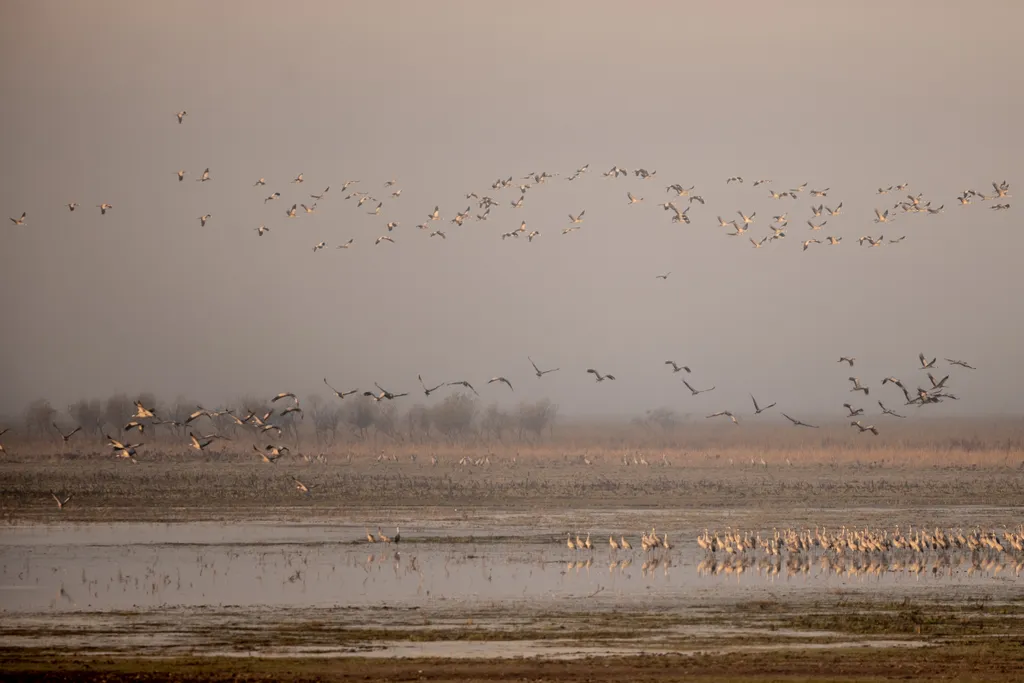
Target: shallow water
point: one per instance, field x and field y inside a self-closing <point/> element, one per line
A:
<point x="124" y="566"/>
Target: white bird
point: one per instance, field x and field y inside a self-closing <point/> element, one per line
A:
<point x="577" y="219"/>
<point x="308" y="209"/>
<point x="817" y="227"/>
<point x="435" y="214"/>
<point x="747" y="220"/>
<point x="882" y="217"/>
<point x="808" y="243"/>
<point x="835" y="211"/>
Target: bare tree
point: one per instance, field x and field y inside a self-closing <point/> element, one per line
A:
<point x="118" y="410"/>
<point x="495" y="422"/>
<point x="360" y="414"/>
<point x="39" y="416"/>
<point x="89" y="414"/>
<point x="326" y="418"/>
<point x="453" y="417"/>
<point x="536" y="417"/>
<point x="419" y="419"/>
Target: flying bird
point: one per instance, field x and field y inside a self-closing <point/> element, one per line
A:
<point x="632" y="199"/>
<point x="197" y="444"/>
<point x="960" y="363"/>
<point x="262" y="229"/>
<point x="696" y="392"/>
<point x="61" y="503"/>
<point x="318" y="246"/>
<point x="928" y="364"/>
<point x="758" y="409"/>
<point x="858" y="387"/>
<point x="203" y="178"/>
<point x="181" y="116"/>
<point x="798" y="423"/>
<point x="340" y="394"/>
<point x="298" y="179"/>
<point x="540" y="373"/>
<point x="500" y="379"/>
<point x="853" y="412"/>
<point x="725" y="413"/>
<point x="426" y="391"/>
<point x="846" y="359"/>
<point x="886" y="411"/>
<point x="664" y="276"/>
<point x="675" y="367"/>
<point x="383" y="238"/>
<point x="598" y="376"/>
<point x="463" y="383"/>
<point x="202" y="220"/>
<point x="863" y="428"/>
<point x="67" y="437"/>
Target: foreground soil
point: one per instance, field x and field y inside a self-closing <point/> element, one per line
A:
<point x="999" y="659"/>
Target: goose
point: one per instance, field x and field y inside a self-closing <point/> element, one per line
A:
<point x="895" y="381"/>
<point x="740" y="229"/>
<point x="439" y="233"/>
<point x="697" y="198"/>
<point x="758" y="245"/>
<point x="261" y="181"/>
<point x="463" y="383"/>
<point x="392" y="225"/>
<point x="308" y="209"/>
<point x="142" y="411"/>
<point x="1000" y="207"/>
<point x="517" y="204"/>
<point x="926" y="365"/>
<point x="284" y="394"/>
<point x="500" y="379"/>
<point x="724" y="413"/>
<point x="758" y="409"/>
<point x="762" y="181"/>
<point x="302" y="488"/>
<point x="885" y="190"/>
<point x="262" y="229"/>
<point x="820" y="193"/>
<point x="387" y="394"/>
<point x="725" y="224"/>
<point x="202" y="220"/>
<point x="181" y="116"/>
<point x="808" y="243"/>
<point x="696" y="392"/>
<point x="735" y="178"/>
<point x="197" y="444"/>
<point x="102" y="207"/>
<point x="960" y="363"/>
<point x="747" y="220"/>
<point x="540" y="373"/>
<point x="577" y="219"/>
<point x="817" y="227"/>
<point x="798" y="423"/>
<point x="533" y="233"/>
<point x="935" y="211"/>
<point x="135" y="424"/>
<point x="863" y="428"/>
<point x="835" y="211"/>
<point x="598" y="376"/>
<point x="376" y="210"/>
<point x="817" y="210"/>
<point x="435" y="214"/>
<point x="383" y="238"/>
<point x="66" y="437"/>
<point x="834" y="241"/>
<point x="347" y="183"/>
<point x="318" y="246"/>
<point x="858" y="387"/>
<point x="340" y="394"/>
<point x="782" y="220"/>
<point x="298" y="179"/>
<point x="181" y="176"/>
<point x="937" y="384"/>
<point x="426" y="391"/>
<point x="882" y="217"/>
<point x="61" y="503"/>
<point x="846" y="359"/>
<point x="396" y="194"/>
<point x="853" y="412"/>
<point x="632" y="199"/>
<point x="886" y="411"/>
<point x="663" y="276"/>
<point x="203" y="178"/>
<point x="676" y="368"/>
<point x="291" y="212"/>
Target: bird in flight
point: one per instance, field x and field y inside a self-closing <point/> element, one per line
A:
<point x="925" y="365"/>
<point x="67" y="437"/>
<point x="181" y="176"/>
<point x="725" y="413"/>
<point x="300" y="486"/>
<point x="197" y="444"/>
<point x="675" y="367"/>
<point x="181" y="116"/>
<point x="500" y="379"/>
<point x="262" y="229"/>
<point x="427" y="391"/>
<point x="696" y="392"/>
<point x="577" y="219"/>
<point x="960" y="363"/>
<point x="318" y="246"/>
<point x="863" y="428"/>
<point x="758" y="409"/>
<point x="632" y="199"/>
<point x="857" y="386"/>
<point x="598" y="376"/>
<point x="439" y="233"/>
<point x="272" y="197"/>
<point x="886" y="411"/>
<point x="798" y="423"/>
<point x="540" y="373"/>
<point x="340" y="394"/>
<point x="202" y="220"/>
<point x="298" y="179"/>
<point x="284" y="394"/>
<point x="20" y="221"/>
<point x="854" y="412"/>
<point x="808" y="243"/>
<point x="61" y="503"/>
<point x="463" y="383"/>
<point x="663" y="276"/>
<point x="383" y="238"/>
<point x="203" y="178"/>
<point x="320" y="196"/>
<point x="347" y="244"/>
<point x="846" y="359"/>
<point x="261" y="181"/>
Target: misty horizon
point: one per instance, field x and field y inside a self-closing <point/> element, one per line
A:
<point x="448" y="98"/>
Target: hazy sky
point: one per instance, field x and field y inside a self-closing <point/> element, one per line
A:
<point x="447" y="97"/>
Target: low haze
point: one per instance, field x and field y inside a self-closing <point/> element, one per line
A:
<point x="447" y="97"/>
